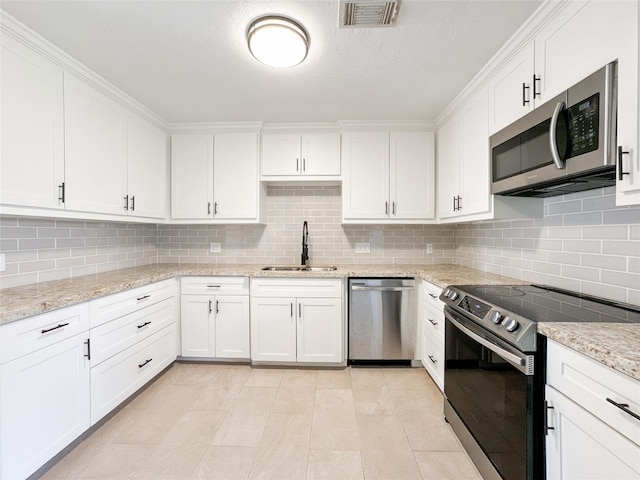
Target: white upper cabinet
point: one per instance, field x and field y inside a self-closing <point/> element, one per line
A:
<point x="95" y="149"/>
<point x="147" y="168"/>
<point x="215" y="177"/>
<point x="388" y="177"/>
<point x="32" y="166"/>
<point x="300" y="155"/>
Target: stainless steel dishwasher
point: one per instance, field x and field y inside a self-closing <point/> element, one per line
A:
<point x="381" y="320"/>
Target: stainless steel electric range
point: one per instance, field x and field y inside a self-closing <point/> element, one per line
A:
<point x="495" y="368"/>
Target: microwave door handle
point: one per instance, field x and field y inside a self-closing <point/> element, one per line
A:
<point x="552" y="135"/>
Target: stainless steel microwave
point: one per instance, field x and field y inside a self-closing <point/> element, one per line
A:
<point x="566" y="145"/>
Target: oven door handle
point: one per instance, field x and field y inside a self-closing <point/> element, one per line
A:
<point x="516" y="361"/>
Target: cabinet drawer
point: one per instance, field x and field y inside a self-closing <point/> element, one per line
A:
<point x="433" y="360"/>
<point x="430" y="294"/>
<point x="221" y="285"/>
<point x="113" y="337"/>
<point x="117" y="305"/>
<point x="25" y="336"/>
<point x="589" y="383"/>
<point x="433" y="320"/>
<point x="115" y="379"/>
<point x="296" y="287"/>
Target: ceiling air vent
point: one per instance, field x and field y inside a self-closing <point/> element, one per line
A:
<point x="367" y="13"/>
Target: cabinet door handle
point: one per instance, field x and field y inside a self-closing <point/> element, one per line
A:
<point x="88" y="344"/>
<point x="304" y="164"/>
<point x="621" y="172"/>
<point x="546" y="419"/>
<point x="140" y="365"/>
<point x="300" y="311"/>
<point x="297" y="164"/>
<point x="143" y="298"/>
<point x="60" y="325"/>
<point x="393" y="207"/>
<point x="144" y="324"/>
<point x="208" y="208"/>
<point x="126" y="203"/>
<point x="525" y="100"/>
<point x="210" y="309"/>
<point x="433" y="360"/>
<point x="536" y="93"/>
<point x="624" y="407"/>
<point x="291" y="309"/>
<point x="432" y="322"/>
<point x="217" y="307"/>
<point x="386" y="208"/>
<point x="215" y="208"/>
<point x="459" y="202"/>
<point x="61" y="192"/>
<point x="133" y="203"/>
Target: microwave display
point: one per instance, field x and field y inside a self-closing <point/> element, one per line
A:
<point x="583" y="126"/>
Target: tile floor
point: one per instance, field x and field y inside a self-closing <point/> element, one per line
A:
<point x="203" y="421"/>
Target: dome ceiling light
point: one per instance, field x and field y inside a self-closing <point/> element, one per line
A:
<point x="278" y="41"/>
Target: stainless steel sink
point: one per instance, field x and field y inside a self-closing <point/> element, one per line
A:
<point x="299" y="268"/>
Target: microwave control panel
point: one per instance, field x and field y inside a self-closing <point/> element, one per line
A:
<point x="583" y="126"/>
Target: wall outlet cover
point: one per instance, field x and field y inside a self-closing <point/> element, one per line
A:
<point x="3" y="264"/>
<point x="429" y="248"/>
<point x="215" y="248"/>
<point x="363" y="248"/>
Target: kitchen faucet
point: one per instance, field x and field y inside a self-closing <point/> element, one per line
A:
<point x="305" y="243"/>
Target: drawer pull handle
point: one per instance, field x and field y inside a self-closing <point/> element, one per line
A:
<point x="624" y="407"/>
<point x="213" y="286"/>
<point x="432" y="322"/>
<point x="143" y="298"/>
<point x="60" y="325"/>
<point x="546" y="419"/>
<point x="433" y="360"/>
<point x="143" y="364"/>
<point x="144" y="324"/>
<point x="88" y="344"/>
<point x="433" y="296"/>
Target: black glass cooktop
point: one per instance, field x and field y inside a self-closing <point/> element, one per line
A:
<point x="548" y="304"/>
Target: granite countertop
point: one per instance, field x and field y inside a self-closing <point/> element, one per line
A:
<point x="615" y="345"/>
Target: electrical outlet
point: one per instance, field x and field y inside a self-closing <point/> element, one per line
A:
<point x="429" y="248"/>
<point x="363" y="248"/>
<point x="215" y="247"/>
<point x="3" y="264"/>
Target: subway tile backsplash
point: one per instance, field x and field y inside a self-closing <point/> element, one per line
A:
<point x="584" y="242"/>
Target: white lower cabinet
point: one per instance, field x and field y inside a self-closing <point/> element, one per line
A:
<point x="307" y="327"/>
<point x="44" y="394"/>
<point x="588" y="436"/>
<point x="431" y="327"/>
<point x="215" y="317"/>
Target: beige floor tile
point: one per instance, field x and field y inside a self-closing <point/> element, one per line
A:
<point x="197" y="374"/>
<point x="150" y="427"/>
<point x="170" y="397"/>
<point x="385" y="450"/>
<point x="408" y="379"/>
<point x="365" y="377"/>
<point x="299" y="378"/>
<point x="174" y="462"/>
<point x="264" y="377"/>
<point x="219" y="395"/>
<point x="195" y="427"/>
<point x="225" y="463"/>
<point x="373" y="400"/>
<point x="69" y="466"/>
<point x="334" y="464"/>
<point x="446" y="466"/>
<point x="334" y="379"/>
<point x="116" y="462"/>
<point x="294" y="400"/>
<point x="429" y="432"/>
<point x="334" y="421"/>
<point x="284" y="449"/>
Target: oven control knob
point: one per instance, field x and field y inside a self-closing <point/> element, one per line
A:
<point x="495" y="317"/>
<point x="453" y="295"/>
<point x="510" y="324"/>
<point x="446" y="292"/>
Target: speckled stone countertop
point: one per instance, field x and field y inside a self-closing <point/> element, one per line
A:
<point x="24" y="301"/>
<point x="616" y="345"/>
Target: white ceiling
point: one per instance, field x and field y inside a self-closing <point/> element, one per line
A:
<point x="187" y="61"/>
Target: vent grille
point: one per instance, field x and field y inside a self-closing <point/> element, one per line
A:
<point x="368" y="13"/>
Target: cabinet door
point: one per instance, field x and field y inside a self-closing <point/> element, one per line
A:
<point x="448" y="167"/>
<point x="474" y="156"/>
<point x="147" y="169"/>
<point x="235" y="176"/>
<point x="32" y="133"/>
<point x="412" y="175"/>
<point x="319" y="331"/>
<point x="232" y="326"/>
<point x="44" y="405"/>
<point x="192" y="176"/>
<point x="582" y="446"/>
<point x="273" y="329"/>
<point x="197" y="326"/>
<point x="281" y="154"/>
<point x="511" y="90"/>
<point x="365" y="186"/>
<point x="95" y="149"/>
<point x="321" y="154"/>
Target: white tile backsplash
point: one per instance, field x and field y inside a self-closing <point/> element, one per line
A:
<point x="583" y="242"/>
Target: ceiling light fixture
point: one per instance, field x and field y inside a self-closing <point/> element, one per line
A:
<point x="277" y="41"/>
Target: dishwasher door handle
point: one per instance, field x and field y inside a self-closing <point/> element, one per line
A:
<point x="360" y="288"/>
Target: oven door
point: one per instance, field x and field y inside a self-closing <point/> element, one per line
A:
<point x="497" y="398"/>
